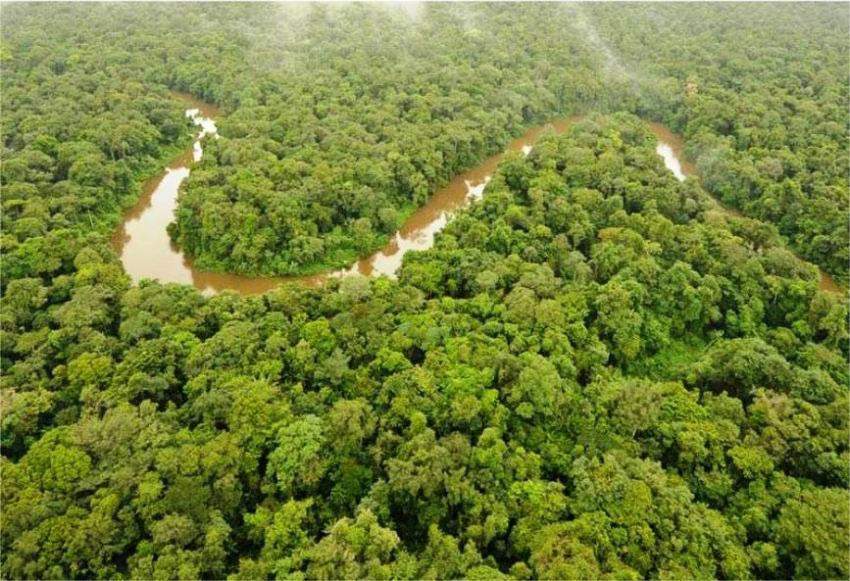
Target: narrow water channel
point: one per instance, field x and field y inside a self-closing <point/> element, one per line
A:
<point x="147" y="251"/>
<point x="671" y="148"/>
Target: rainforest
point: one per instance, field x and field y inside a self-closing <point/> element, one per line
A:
<point x="424" y="291"/>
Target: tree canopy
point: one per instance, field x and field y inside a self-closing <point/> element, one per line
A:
<point x="593" y="373"/>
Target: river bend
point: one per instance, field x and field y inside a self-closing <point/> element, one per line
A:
<point x="147" y="251"/>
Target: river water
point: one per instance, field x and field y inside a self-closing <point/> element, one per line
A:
<point x="147" y="251"/>
<point x="671" y="148"/>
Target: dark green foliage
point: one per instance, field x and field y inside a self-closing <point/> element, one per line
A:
<point x="593" y="373"/>
<point x="362" y="120"/>
<point x="760" y="96"/>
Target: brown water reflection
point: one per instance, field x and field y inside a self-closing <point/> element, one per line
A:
<point x="142" y="240"/>
<point x="671" y="148"/>
<point x="147" y="251"/>
<point x="419" y="229"/>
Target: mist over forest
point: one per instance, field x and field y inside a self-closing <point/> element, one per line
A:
<point x="424" y="290"/>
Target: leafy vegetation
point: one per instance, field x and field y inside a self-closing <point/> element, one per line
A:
<point x="763" y="111"/>
<point x="593" y="373"/>
<point x="358" y="125"/>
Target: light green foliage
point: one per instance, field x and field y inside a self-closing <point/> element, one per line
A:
<point x="297" y="460"/>
<point x="593" y="373"/>
<point x="813" y="529"/>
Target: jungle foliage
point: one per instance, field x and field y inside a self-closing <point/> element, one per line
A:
<point x="593" y="373"/>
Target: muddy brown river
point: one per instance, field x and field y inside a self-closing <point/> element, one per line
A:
<point x="671" y="147"/>
<point x="147" y="251"/>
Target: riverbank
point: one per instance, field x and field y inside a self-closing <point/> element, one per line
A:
<point x="147" y="250"/>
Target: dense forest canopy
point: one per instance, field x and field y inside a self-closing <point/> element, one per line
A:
<point x="593" y="373"/>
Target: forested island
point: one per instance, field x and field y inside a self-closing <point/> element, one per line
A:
<point x="597" y="370"/>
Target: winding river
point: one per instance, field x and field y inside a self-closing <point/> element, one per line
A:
<point x="147" y="251"/>
<point x="671" y="148"/>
